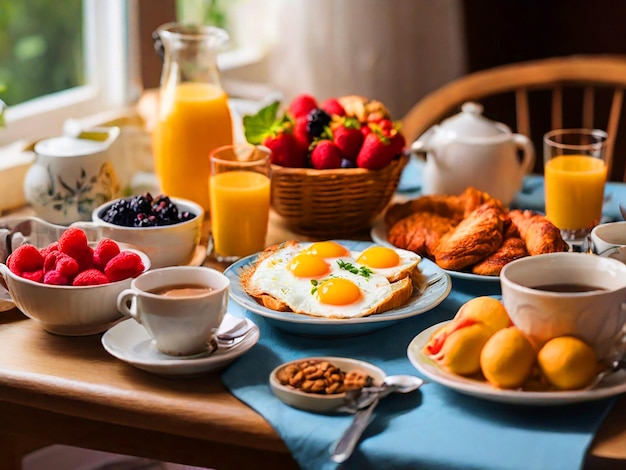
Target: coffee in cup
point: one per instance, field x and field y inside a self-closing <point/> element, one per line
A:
<point x="180" y="306"/>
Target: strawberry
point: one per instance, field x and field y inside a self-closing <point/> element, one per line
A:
<point x="286" y="150"/>
<point x="376" y="152"/>
<point x="300" y="131"/>
<point x="397" y="142"/>
<point x="326" y="155"/>
<point x="302" y="105"/>
<point x="348" y="137"/>
<point x="333" y="107"/>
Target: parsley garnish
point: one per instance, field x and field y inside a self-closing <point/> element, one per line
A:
<point x="361" y="271"/>
<point x="314" y="283"/>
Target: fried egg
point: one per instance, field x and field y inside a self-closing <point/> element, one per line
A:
<point x="320" y="279"/>
<point x="393" y="263"/>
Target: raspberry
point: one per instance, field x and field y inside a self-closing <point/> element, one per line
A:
<point x="85" y="260"/>
<point x="66" y="266"/>
<point x="55" y="278"/>
<point x="124" y="265"/>
<point x="90" y="277"/>
<point x="50" y="261"/>
<point x="25" y="259"/>
<point x="36" y="276"/>
<point x="104" y="252"/>
<point x="51" y="248"/>
<point x="73" y="242"/>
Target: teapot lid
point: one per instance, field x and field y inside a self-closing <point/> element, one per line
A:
<point x="470" y="123"/>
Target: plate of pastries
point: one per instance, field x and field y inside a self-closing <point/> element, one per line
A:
<point x="470" y="236"/>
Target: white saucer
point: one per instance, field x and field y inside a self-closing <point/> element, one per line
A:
<point x="613" y="385"/>
<point x="130" y="342"/>
<point x="199" y="256"/>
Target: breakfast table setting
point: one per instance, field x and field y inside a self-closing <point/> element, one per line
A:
<point x="320" y="294"/>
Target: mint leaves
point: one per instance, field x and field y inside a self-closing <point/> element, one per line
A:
<point x="266" y="122"/>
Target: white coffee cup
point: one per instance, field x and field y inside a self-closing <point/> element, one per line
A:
<point x="595" y="316"/>
<point x="181" y="306"/>
<point x="609" y="235"/>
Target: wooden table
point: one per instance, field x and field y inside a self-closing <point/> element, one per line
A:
<point x="69" y="390"/>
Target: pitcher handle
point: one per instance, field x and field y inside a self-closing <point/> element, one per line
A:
<point x="524" y="144"/>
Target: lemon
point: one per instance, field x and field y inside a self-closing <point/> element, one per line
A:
<point x="487" y="310"/>
<point x="460" y="353"/>
<point x="568" y="363"/>
<point x="508" y="358"/>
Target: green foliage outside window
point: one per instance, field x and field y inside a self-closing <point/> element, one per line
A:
<point x="40" y="48"/>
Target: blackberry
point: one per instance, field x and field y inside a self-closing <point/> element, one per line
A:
<point x="145" y="211"/>
<point x="141" y="204"/>
<point x="145" y="220"/>
<point x="317" y="120"/>
<point x="119" y="213"/>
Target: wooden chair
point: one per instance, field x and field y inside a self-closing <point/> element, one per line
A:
<point x="572" y="91"/>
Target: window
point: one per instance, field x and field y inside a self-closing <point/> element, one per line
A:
<point x="60" y="61"/>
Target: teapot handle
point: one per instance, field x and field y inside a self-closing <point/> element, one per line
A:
<point x="524" y="144"/>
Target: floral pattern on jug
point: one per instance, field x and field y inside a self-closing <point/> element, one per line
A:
<point x="70" y="178"/>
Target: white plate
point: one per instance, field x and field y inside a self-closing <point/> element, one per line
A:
<point x="316" y="326"/>
<point x="379" y="235"/>
<point x="317" y="402"/>
<point x="131" y="343"/>
<point x="612" y="385"/>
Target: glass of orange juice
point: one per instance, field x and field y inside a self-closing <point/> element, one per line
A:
<point x="575" y="171"/>
<point x="239" y="194"/>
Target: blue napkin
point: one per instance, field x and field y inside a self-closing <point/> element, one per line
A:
<point x="432" y="428"/>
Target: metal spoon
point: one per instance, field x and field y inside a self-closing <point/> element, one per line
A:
<point x="622" y="209"/>
<point x="615" y="366"/>
<point x="342" y="449"/>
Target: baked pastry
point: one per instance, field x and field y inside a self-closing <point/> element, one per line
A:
<point x="475" y="238"/>
<point x="511" y="249"/>
<point x="420" y="232"/>
<point x="539" y="234"/>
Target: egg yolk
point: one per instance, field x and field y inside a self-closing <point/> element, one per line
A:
<point x="338" y="291"/>
<point x="328" y="249"/>
<point x="379" y="257"/>
<point x="308" y="265"/>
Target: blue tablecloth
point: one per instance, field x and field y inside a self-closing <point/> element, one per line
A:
<point x="434" y="427"/>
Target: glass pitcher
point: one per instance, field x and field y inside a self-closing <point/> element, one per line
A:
<point x="193" y="116"/>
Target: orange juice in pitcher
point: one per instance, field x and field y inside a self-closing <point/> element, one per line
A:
<point x="194" y="117"/>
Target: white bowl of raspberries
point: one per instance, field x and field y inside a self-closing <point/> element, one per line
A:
<point x="70" y="287"/>
<point x="166" y="229"/>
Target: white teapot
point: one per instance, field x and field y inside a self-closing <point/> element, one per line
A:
<point x="469" y="150"/>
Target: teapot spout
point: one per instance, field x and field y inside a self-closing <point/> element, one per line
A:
<point x="421" y="147"/>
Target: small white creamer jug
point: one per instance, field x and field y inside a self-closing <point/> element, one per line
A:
<point x="71" y="176"/>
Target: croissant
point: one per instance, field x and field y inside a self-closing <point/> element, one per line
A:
<point x="539" y="234"/>
<point x="511" y="249"/>
<point x="475" y="238"/>
<point x="420" y="232"/>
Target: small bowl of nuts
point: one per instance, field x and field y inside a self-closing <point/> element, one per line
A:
<point x="320" y="384"/>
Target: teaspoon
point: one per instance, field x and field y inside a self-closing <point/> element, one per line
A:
<point x="343" y="448"/>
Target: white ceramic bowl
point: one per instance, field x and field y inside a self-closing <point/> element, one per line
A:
<point x="609" y="235"/>
<point x="166" y="245"/>
<point x="69" y="310"/>
<point x="316" y="402"/>
<point x="595" y="316"/>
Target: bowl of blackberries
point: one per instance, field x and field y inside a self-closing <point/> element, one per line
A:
<point x="167" y="229"/>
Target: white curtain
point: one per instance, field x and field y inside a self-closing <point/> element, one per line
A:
<point x="393" y="50"/>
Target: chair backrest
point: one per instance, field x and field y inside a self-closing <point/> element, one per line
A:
<point x="593" y="84"/>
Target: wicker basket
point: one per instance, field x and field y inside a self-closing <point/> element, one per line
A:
<point x="333" y="203"/>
